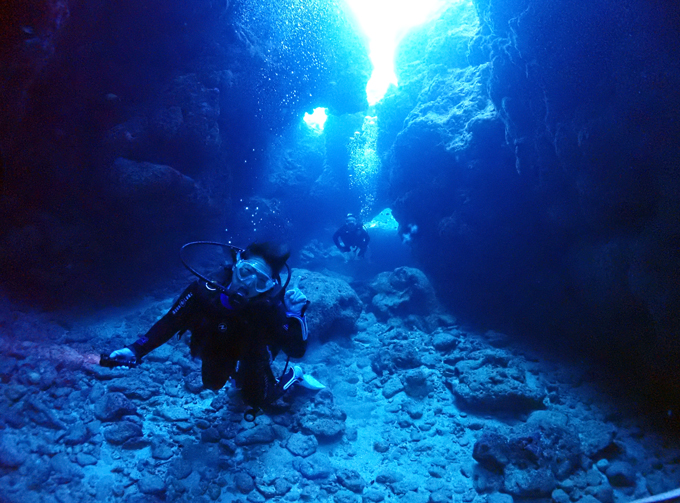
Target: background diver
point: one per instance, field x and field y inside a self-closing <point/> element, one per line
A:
<point x="352" y="236"/>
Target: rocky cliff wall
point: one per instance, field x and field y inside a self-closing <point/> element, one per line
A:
<point x="534" y="154"/>
<point x="128" y="128"/>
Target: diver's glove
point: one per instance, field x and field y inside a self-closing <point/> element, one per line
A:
<point x="124" y="357"/>
<point x="294" y="300"/>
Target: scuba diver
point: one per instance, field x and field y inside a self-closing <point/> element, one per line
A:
<point x="238" y="329"/>
<point x="352" y="236"/>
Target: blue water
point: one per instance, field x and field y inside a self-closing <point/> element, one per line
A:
<point x="510" y="334"/>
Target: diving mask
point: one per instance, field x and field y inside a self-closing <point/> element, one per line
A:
<point x="252" y="275"/>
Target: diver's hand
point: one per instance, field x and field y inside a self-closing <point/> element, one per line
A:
<point x="294" y="299"/>
<point x="125" y="355"/>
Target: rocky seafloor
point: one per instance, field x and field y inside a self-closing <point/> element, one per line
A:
<point x="417" y="409"/>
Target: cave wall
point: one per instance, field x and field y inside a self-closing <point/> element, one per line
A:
<point x="532" y="155"/>
<point x="128" y="128"/>
<point x="530" y="151"/>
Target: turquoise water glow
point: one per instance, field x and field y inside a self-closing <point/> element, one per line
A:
<point x="316" y="119"/>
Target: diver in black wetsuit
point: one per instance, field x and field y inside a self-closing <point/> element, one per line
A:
<point x="238" y="332"/>
<point x="352" y="236"/>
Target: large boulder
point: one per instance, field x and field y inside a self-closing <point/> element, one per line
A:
<point x="335" y="307"/>
<point x="532" y="458"/>
<point x="402" y="292"/>
<point x="491" y="383"/>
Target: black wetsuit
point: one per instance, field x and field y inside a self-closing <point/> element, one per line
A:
<point x="351" y="236"/>
<point x="238" y="342"/>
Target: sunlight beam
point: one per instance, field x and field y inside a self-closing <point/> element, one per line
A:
<point x="385" y="22"/>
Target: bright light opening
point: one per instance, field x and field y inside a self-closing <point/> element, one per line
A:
<point x="384" y="221"/>
<point x="385" y="22"/>
<point x="316" y="119"/>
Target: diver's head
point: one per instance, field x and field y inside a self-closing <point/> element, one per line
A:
<point x="256" y="271"/>
<point x="350" y="219"/>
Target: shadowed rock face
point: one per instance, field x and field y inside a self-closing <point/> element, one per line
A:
<point x="191" y="92"/>
<point x="537" y="158"/>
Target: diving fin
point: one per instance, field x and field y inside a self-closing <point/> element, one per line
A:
<point x="307" y="381"/>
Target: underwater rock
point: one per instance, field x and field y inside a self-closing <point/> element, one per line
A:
<point x="77" y="434"/>
<point x="414" y="409"/>
<point x="194" y="382"/>
<point x="39" y="472"/>
<point x="151" y="484"/>
<point x="13" y="416"/>
<point x="335" y="307"/>
<point x="244" y="482"/>
<point x="546" y="419"/>
<point x="296" y="160"/>
<point x="560" y="496"/>
<point x="302" y="445"/>
<point x="621" y="474"/>
<point x="529" y="482"/>
<point x="373" y="495"/>
<point x="531" y="460"/>
<point x="389" y="475"/>
<point x="603" y="492"/>
<point x="444" y="341"/>
<point x="279" y="486"/>
<point x="500" y="498"/>
<point x="260" y="434"/>
<point x="7" y="369"/>
<point x="392" y="387"/>
<point x="85" y="459"/>
<point x="227" y="429"/>
<point x="417" y="383"/>
<point x="210" y="435"/>
<point x="120" y="433"/>
<point x="351" y="479"/>
<point x="136" y="387"/>
<point x="41" y="414"/>
<point x="322" y="419"/>
<point x="173" y="413"/>
<point x="496" y="384"/>
<point x="343" y="496"/>
<point x="161" y="449"/>
<point x="492" y="452"/>
<point x="179" y="468"/>
<point x="113" y="406"/>
<point x="404" y="355"/>
<point x="64" y="471"/>
<point x="406" y="486"/>
<point x="127" y="138"/>
<point x="597" y="438"/>
<point x="315" y="467"/>
<point x="402" y="292"/>
<point x="11" y="454"/>
<point x="181" y="127"/>
<point x="166" y="122"/>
